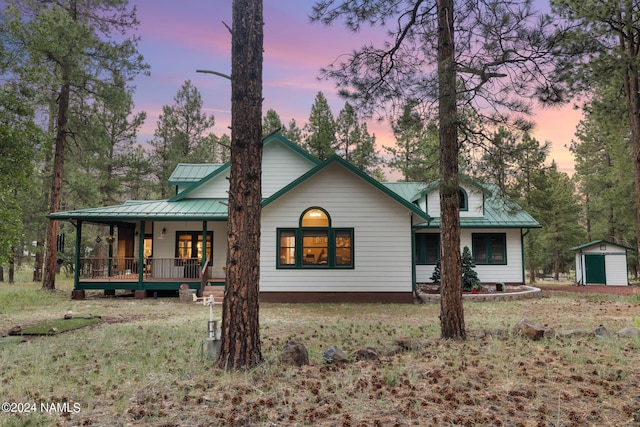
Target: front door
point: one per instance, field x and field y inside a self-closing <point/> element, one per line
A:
<point x="595" y="269"/>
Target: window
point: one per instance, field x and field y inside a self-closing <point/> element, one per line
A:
<point x="189" y="245"/>
<point x="464" y="200"/>
<point x="315" y="244"/>
<point x="148" y="246"/>
<point x="489" y="248"/>
<point x="344" y="248"/>
<point x="427" y="248"/>
<point x="287" y="247"/>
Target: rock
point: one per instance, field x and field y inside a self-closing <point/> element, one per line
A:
<point x="295" y="353"/>
<point x="629" y="332"/>
<point x="88" y="316"/>
<point x="601" y="331"/>
<point x="528" y="329"/>
<point x="15" y="330"/>
<point x="53" y="330"/>
<point x="366" y="353"/>
<point x="68" y="315"/>
<point x="334" y="355"/>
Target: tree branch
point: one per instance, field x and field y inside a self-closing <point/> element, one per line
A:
<point x="217" y="73"/>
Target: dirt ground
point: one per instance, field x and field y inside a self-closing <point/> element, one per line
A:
<point x="596" y="289"/>
<point x="493" y="379"/>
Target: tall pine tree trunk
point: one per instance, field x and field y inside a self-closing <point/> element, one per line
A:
<point x="633" y="102"/>
<point x="451" y="309"/>
<point x="630" y="44"/>
<point x="240" y="344"/>
<point x="55" y="198"/>
<point x="12" y="264"/>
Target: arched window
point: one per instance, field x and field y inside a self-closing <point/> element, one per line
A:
<point x="314" y="217"/>
<point x="315" y="244"/>
<point x="464" y="200"/>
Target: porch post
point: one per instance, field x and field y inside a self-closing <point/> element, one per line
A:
<point x="205" y="252"/>
<point x="77" y="293"/>
<point x="140" y="292"/>
<point x="110" y="253"/>
<point x="412" y="232"/>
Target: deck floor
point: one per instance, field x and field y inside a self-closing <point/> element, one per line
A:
<point x="148" y="279"/>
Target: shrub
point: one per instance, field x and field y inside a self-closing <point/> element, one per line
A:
<point x="470" y="279"/>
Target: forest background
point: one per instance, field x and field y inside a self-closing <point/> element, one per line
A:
<point x="116" y="151"/>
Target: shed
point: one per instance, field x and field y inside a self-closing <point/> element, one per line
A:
<point x="601" y="263"/>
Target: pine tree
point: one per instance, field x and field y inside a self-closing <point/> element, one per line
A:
<point x="415" y="152"/>
<point x="182" y="135"/>
<point x="481" y="57"/>
<point x="470" y="279"/>
<point x="435" y="277"/>
<point x="321" y="129"/>
<point x="69" y="48"/>
<point x="271" y="122"/>
<point x="240" y="344"/>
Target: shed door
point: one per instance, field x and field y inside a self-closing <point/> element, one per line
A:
<point x="594" y="264"/>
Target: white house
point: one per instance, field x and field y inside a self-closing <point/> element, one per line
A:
<point x="601" y="263"/>
<point x="330" y="233"/>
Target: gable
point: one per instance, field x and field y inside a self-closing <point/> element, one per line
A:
<point x="475" y="202"/>
<point x="354" y="173"/>
<point x="486" y="207"/>
<point x="600" y="246"/>
<point x="282" y="162"/>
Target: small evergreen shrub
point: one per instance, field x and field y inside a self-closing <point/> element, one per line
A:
<point x="435" y="277"/>
<point x="470" y="279"/>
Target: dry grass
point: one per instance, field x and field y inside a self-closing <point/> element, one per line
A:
<point x="144" y="366"/>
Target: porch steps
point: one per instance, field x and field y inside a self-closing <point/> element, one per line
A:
<point x="216" y="291"/>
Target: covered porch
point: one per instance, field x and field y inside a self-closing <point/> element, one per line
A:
<point x="148" y="246"/>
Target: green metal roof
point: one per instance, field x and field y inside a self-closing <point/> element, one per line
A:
<point x="410" y="191"/>
<point x="597" y="242"/>
<point x="188" y="173"/>
<point x="499" y="212"/>
<point x="188" y="209"/>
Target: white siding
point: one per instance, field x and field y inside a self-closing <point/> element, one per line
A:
<point x="433" y="204"/>
<point x="510" y="273"/>
<point x="475" y="200"/>
<point x="579" y="264"/>
<point x="382" y="236"/>
<point x="215" y="188"/>
<point x="616" y="269"/>
<point x="280" y="166"/>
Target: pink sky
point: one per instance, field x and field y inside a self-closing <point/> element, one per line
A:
<point x="179" y="37"/>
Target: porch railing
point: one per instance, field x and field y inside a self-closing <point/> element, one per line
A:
<point x="116" y="268"/>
